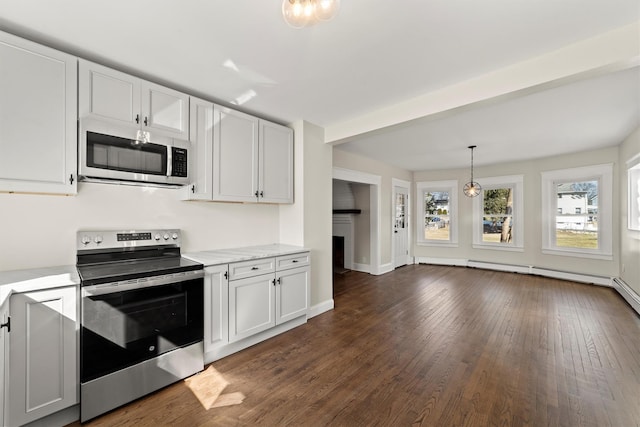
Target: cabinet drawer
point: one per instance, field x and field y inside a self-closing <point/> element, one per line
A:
<point x="255" y="267"/>
<point x="292" y="261"/>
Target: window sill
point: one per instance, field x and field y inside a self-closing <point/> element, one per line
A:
<point x="578" y="254"/>
<point x="435" y="243"/>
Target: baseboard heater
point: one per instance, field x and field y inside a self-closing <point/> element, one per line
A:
<point x="522" y="269"/>
<point x="627" y="293"/>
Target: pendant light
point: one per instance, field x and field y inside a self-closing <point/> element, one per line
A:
<point x="472" y="188"/>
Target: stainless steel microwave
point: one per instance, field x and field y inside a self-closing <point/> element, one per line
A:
<point x="128" y="155"/>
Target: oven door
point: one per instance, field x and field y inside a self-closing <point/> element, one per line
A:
<point x="123" y="324"/>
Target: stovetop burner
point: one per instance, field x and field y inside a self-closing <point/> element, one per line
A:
<point x="114" y="256"/>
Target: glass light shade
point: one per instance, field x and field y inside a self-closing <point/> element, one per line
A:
<point x="326" y="9"/>
<point x="297" y="13"/>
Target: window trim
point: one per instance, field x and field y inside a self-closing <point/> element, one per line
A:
<point x="517" y="183"/>
<point x="602" y="173"/>
<point x="452" y="187"/>
<point x="633" y="186"/>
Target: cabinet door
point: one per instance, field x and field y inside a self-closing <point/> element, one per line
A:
<point x="216" y="304"/>
<point x="200" y="155"/>
<point x="108" y="94"/>
<point x="251" y="306"/>
<point x="292" y="294"/>
<point x="38" y="133"/>
<point x="276" y="163"/>
<point x="235" y="156"/>
<point x="165" y="111"/>
<point x="42" y="359"/>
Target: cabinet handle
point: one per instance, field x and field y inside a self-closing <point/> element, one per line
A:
<point x="137" y="118"/>
<point x="256" y="193"/>
<point x="146" y="121"/>
<point x="254" y="268"/>
<point x="193" y="188"/>
<point x="279" y="280"/>
<point x="273" y="282"/>
<point x="226" y="275"/>
<point x="7" y="325"/>
<point x="71" y="179"/>
<point x="294" y="261"/>
<point x="262" y="194"/>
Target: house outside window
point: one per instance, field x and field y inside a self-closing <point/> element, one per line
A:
<point x="577" y="212"/>
<point x="437" y="209"/>
<point x="498" y="220"/>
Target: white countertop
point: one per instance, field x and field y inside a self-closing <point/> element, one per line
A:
<point x="35" y="279"/>
<point x="226" y="256"/>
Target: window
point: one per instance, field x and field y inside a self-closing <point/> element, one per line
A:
<point x="633" y="173"/>
<point x="437" y="209"/>
<point x="577" y="212"/>
<point x="498" y="220"/>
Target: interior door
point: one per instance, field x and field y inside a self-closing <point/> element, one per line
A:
<point x="401" y="226"/>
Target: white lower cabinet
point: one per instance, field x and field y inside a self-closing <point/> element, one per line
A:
<point x="292" y="294"/>
<point x="251" y="306"/>
<point x="251" y="299"/>
<point x="42" y="362"/>
<point x="216" y="308"/>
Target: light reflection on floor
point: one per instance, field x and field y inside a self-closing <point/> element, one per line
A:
<point x="208" y="386"/>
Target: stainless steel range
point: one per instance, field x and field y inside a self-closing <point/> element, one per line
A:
<point x="141" y="316"/>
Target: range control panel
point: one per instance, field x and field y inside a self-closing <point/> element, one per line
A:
<point x="111" y="239"/>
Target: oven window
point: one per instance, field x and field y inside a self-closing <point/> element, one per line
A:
<point x="122" y="154"/>
<point x="121" y="329"/>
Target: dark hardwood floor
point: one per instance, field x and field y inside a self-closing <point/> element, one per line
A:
<point x="426" y="346"/>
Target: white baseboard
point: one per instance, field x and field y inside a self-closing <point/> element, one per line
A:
<point x="385" y="268"/>
<point x="320" y="308"/>
<point x="627" y="293"/>
<point x="363" y="268"/>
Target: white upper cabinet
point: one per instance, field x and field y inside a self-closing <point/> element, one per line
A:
<point x="38" y="100"/>
<point x="275" y="184"/>
<point x="235" y="156"/>
<point x="252" y="159"/>
<point x="201" y="152"/>
<point x="119" y="97"/>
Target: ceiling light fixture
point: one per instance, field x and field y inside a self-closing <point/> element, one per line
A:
<point x="301" y="13"/>
<point x="472" y="188"/>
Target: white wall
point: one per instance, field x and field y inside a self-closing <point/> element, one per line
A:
<point x="317" y="169"/>
<point x="40" y="230"/>
<point x="629" y="240"/>
<point x="532" y="254"/>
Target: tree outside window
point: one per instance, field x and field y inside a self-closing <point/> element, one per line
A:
<point x="498" y="214"/>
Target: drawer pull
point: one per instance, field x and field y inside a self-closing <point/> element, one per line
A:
<point x="254" y="268"/>
<point x="295" y="260"/>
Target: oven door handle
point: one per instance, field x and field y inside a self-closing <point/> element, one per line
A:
<point x="144" y="282"/>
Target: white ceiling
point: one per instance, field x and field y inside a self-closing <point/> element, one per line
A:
<point x="373" y="55"/>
